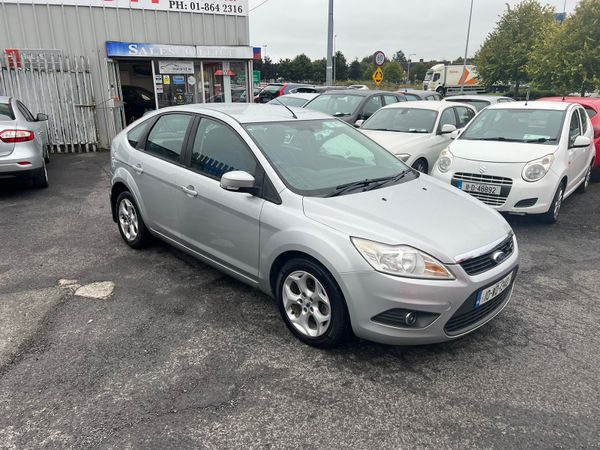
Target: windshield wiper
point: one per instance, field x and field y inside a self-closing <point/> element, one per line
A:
<point x="356" y="184"/>
<point x="381" y="129"/>
<point x="341" y="114"/>
<point x="497" y="138"/>
<point x="539" y="140"/>
<point x="393" y="179"/>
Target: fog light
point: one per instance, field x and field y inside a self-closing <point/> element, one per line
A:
<point x="410" y="318"/>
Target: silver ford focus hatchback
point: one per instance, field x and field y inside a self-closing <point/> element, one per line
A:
<point x="346" y="237"/>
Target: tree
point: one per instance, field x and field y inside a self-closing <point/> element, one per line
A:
<point x="567" y="59"/>
<point x="319" y="67"/>
<point x="504" y="56"/>
<point x="400" y="57"/>
<point x="301" y="68"/>
<point x="367" y="67"/>
<point x="355" y="72"/>
<point x="341" y="66"/>
<point x="269" y="71"/>
<point x="393" y="72"/>
<point x="284" y="69"/>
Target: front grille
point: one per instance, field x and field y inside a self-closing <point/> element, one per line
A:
<point x="461" y="321"/>
<point x="480" y="264"/>
<point x="489" y="199"/>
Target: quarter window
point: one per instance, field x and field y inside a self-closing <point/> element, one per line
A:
<point x="167" y="136"/>
<point x="136" y="134"/>
<point x="574" y="129"/>
<point x="464" y="115"/>
<point x="218" y="150"/>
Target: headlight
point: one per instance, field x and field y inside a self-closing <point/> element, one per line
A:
<point x="537" y="169"/>
<point x="401" y="260"/>
<point x="445" y="160"/>
<point x="403" y="157"/>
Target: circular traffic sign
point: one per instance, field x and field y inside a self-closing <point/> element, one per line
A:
<point x="379" y="58"/>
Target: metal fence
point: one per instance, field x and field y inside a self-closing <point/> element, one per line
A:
<point x="61" y="87"/>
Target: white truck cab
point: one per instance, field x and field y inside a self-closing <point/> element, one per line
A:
<point x="445" y="79"/>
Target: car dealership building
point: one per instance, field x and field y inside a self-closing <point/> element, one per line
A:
<point x="96" y="65"/>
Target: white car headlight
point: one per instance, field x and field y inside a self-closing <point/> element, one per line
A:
<point x="536" y="170"/>
<point x="401" y="260"/>
<point x="403" y="157"/>
<point x="445" y="160"/>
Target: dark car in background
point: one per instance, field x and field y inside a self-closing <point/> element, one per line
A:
<point x="274" y="90"/>
<point x="417" y="95"/>
<point x="137" y="101"/>
<point x="352" y="105"/>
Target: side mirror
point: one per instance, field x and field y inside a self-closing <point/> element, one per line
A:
<point x="447" y="129"/>
<point x="359" y="123"/>
<point x="41" y="117"/>
<point x="581" y="142"/>
<point x="453" y="135"/>
<point x="238" y="181"/>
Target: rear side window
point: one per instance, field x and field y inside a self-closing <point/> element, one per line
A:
<point x="372" y="105"/>
<point x="590" y="111"/>
<point x="412" y="97"/>
<point x="6" y="112"/>
<point x="167" y="136"/>
<point x="135" y="135"/>
<point x="389" y="99"/>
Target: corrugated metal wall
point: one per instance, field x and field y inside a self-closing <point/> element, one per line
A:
<point x="83" y="31"/>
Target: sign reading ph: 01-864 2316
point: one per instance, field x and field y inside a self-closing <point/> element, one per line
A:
<point x="227" y="7"/>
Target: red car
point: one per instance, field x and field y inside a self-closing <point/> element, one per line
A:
<point x="592" y="107"/>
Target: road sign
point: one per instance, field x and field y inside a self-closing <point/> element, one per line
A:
<point x="378" y="76"/>
<point x="379" y="58"/>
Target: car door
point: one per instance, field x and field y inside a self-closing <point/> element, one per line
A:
<point x="576" y="156"/>
<point x="157" y="168"/>
<point x="221" y="225"/>
<point x="586" y="130"/>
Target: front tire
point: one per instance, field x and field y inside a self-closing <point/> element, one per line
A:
<point x="312" y="304"/>
<point x="551" y="216"/>
<point x="421" y="165"/>
<point x="130" y="222"/>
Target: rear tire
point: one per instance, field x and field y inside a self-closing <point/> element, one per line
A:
<point x="40" y="180"/>
<point x="583" y="187"/>
<point x="130" y="222"/>
<point x="551" y="216"/>
<point x="311" y="304"/>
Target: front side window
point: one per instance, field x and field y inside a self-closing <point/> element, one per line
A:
<point x="574" y="128"/>
<point x="372" y="105"/>
<point x="167" y="136"/>
<point x="537" y="126"/>
<point x="404" y="120"/>
<point x="477" y="104"/>
<point x="335" y="105"/>
<point x="464" y="115"/>
<point x="448" y="118"/>
<point x="321" y="157"/>
<point x="218" y="149"/>
<point x="584" y="120"/>
<point x="436" y="77"/>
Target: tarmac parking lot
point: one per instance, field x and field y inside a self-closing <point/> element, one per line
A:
<point x="102" y="346"/>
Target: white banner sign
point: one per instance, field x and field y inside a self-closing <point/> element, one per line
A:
<point x="174" y="67"/>
<point x="227" y="7"/>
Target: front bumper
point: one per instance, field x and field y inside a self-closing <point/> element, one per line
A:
<point x="523" y="197"/>
<point x="369" y="294"/>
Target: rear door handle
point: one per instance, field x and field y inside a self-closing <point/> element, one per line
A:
<point x="138" y="169"/>
<point x="189" y="190"/>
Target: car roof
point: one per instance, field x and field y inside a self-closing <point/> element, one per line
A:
<point x="433" y="105"/>
<point x="579" y="100"/>
<point x="358" y="92"/>
<point x="475" y="97"/>
<point x="557" y="106"/>
<point x="251" y="112"/>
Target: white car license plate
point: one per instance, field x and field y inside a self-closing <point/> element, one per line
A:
<point x="493" y="291"/>
<point x="491" y="189"/>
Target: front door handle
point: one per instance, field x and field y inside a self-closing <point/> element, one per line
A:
<point x="189" y="190"/>
<point x="138" y="169"/>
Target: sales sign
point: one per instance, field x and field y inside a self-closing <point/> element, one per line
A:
<point x="226" y="7"/>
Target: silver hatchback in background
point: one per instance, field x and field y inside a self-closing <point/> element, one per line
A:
<point x="346" y="237"/>
<point x="23" y="143"/>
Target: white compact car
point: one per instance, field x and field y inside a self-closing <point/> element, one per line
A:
<point x="416" y="132"/>
<point x="522" y="158"/>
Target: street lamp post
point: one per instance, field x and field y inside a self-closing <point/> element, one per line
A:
<point x="408" y="68"/>
<point x="334" y="56"/>
<point x="462" y="84"/>
<point x="329" y="70"/>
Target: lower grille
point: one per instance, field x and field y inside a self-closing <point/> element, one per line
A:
<point x="467" y="315"/>
<point x="489" y="199"/>
<point x="396" y="318"/>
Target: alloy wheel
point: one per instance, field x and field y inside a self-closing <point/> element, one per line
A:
<point x="306" y="304"/>
<point x="558" y="203"/>
<point x="128" y="220"/>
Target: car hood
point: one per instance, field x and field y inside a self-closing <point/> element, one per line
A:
<point x="493" y="151"/>
<point x="395" y="142"/>
<point x="423" y="213"/>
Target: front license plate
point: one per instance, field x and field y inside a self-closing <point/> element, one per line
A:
<point x="493" y="291"/>
<point x="491" y="189"/>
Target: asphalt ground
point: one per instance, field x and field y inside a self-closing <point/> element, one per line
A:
<point x="182" y="356"/>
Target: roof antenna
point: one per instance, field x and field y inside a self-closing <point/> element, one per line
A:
<point x="528" y="92"/>
<point x="286" y="107"/>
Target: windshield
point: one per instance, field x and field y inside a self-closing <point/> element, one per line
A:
<point x="321" y="157"/>
<point x="405" y="120"/>
<point x="428" y="75"/>
<point x="477" y="104"/>
<point x="289" y="101"/>
<point x="539" y="126"/>
<point x="336" y="105"/>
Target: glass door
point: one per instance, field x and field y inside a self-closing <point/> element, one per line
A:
<point x="213" y="74"/>
<point x="175" y="82"/>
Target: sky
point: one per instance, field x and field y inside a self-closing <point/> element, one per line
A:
<point x="429" y="29"/>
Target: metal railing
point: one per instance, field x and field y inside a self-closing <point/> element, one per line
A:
<point x="59" y="86"/>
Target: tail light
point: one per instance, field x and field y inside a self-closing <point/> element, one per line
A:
<point x="14" y="136"/>
<point x="597" y="132"/>
<point x="281" y="91"/>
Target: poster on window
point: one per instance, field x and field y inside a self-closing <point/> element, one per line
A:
<point x="225" y="7"/>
